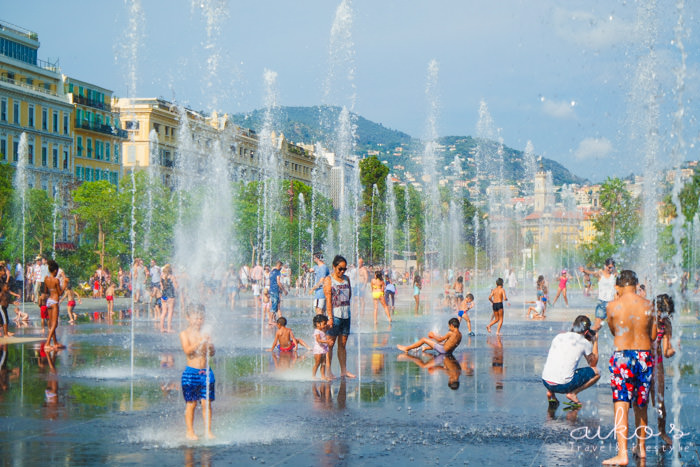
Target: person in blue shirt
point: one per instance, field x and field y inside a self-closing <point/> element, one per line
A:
<point x="276" y="287"/>
<point x="321" y="271"/>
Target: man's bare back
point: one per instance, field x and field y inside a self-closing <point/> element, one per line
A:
<point x="452" y="340"/>
<point x="498" y="295"/>
<point x="631" y="321"/>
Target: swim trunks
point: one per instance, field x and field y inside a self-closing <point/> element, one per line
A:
<point x="44" y="312"/>
<point x="498" y="306"/>
<point x="439" y="348"/>
<point x="460" y="313"/>
<point x="194" y="384"/>
<point x="286" y="349"/>
<point x="71" y="302"/>
<point x="110" y="298"/>
<point x="631" y="376"/>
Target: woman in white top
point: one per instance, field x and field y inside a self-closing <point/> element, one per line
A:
<point x="338" y="292"/>
<point x="606" y="290"/>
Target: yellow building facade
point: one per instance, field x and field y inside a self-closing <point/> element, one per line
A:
<point x="97" y="137"/>
<point x="32" y="101"/>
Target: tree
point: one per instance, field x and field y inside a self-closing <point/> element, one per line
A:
<point x="39" y="220"/>
<point x="98" y="208"/>
<point x="6" y="192"/>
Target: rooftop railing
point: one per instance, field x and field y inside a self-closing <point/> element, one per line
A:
<point x="24" y="85"/>
<point x="101" y="128"/>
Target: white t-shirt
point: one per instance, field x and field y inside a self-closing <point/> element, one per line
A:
<point x="606" y="288"/>
<point x="564" y="354"/>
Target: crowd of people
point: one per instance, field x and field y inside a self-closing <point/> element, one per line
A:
<point x="641" y="329"/>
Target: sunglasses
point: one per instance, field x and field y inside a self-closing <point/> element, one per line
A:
<point x="342" y="269"/>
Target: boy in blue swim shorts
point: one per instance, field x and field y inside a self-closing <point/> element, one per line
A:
<point x="197" y="379"/>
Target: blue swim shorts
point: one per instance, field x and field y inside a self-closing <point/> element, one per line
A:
<point x="601" y="310"/>
<point x="194" y="384"/>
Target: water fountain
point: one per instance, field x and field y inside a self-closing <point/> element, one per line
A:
<point x="20" y="185"/>
<point x="153" y="180"/>
<point x="391" y="223"/>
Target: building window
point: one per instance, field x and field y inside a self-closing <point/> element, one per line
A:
<point x="156" y="127"/>
<point x="65" y="159"/>
<point x="44" y="156"/>
<point x="89" y="148"/>
<point x="3" y="149"/>
<point x="131" y="124"/>
<point x="78" y="172"/>
<point x="3" y="109"/>
<point x="55" y="122"/>
<point x="44" y="119"/>
<point x="64" y="230"/>
<point x="116" y="153"/>
<point x="15" y="151"/>
<point x="79" y="145"/>
<point x="108" y="151"/>
<point x="30" y="155"/>
<point x="66" y="125"/>
<point x="55" y="158"/>
<point x="15" y="112"/>
<point x="30" y="116"/>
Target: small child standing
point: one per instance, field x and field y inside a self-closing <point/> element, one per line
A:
<point x="390" y="295"/>
<point x="198" y="383"/>
<point x="43" y="309"/>
<point x="109" y="296"/>
<point x="70" y="296"/>
<point x="266" y="306"/>
<point x="465" y="305"/>
<point x="497" y="297"/>
<point x="321" y="342"/>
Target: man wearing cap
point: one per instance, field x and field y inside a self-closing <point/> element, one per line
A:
<point x="321" y="271"/>
<point x="560" y="373"/>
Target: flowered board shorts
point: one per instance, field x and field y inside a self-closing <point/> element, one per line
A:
<point x="631" y="376"/>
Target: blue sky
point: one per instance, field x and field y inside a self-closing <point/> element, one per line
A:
<point x="560" y="74"/>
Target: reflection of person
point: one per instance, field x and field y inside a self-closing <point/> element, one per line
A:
<point x="198" y="383"/>
<point x="662" y="349"/>
<point x="560" y="374"/>
<point x="441" y="344"/>
<point x="631" y="321"/>
<point x="444" y="362"/>
<point x="338" y="292"/>
<point x="497" y="367"/>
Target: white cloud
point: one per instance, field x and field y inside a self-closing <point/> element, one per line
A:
<point x="593" y="31"/>
<point x="593" y="148"/>
<point x="558" y="109"/>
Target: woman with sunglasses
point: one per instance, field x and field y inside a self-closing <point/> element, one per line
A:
<point x="338" y="292"/>
<point x="606" y="290"/>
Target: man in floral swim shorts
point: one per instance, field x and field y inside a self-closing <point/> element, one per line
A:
<point x="632" y="322"/>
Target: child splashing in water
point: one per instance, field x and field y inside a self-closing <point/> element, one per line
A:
<point x="198" y="382"/>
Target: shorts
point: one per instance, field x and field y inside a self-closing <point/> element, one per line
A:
<point x="416" y="291"/>
<point x="274" y="303"/>
<point x="71" y="303"/>
<point x="109" y="298"/>
<point x="439" y="348"/>
<point x="389" y="297"/>
<point x="155" y="285"/>
<point x="320" y="303"/>
<point x="498" y="306"/>
<point x="44" y="310"/>
<point x="461" y="313"/>
<point x="194" y="384"/>
<point x="581" y="377"/>
<point x="601" y="310"/>
<point x="459" y="296"/>
<point x="631" y="376"/>
<point x="286" y="349"/>
<point x="341" y="327"/>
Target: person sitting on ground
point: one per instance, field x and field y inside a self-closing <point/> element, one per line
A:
<point x="284" y="338"/>
<point x="560" y="374"/>
<point x="441" y="344"/>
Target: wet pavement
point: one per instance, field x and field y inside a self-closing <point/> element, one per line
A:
<point x="400" y="410"/>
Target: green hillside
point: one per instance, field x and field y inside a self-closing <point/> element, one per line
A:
<point x="397" y="149"/>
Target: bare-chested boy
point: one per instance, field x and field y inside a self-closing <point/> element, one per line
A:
<point x="284" y="338"/>
<point x="497" y="298"/>
<point x="54" y="290"/>
<point x="198" y="381"/>
<point x="631" y="320"/>
<point x="441" y="344"/>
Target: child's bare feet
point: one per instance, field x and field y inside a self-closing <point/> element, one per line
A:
<point x="192" y="436"/>
<point x="402" y="348"/>
<point x="210" y="435"/>
<point x="488" y="328"/>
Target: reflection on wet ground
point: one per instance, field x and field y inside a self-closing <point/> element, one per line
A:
<point x="484" y="405"/>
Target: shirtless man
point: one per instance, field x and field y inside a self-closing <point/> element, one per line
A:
<point x="441" y="344"/>
<point x="497" y="297"/>
<point x="55" y="289"/>
<point x="632" y="322"/>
